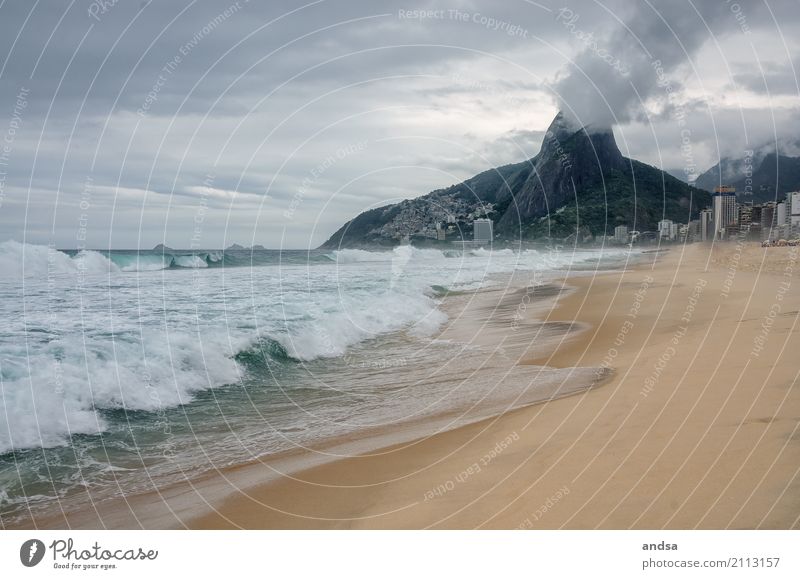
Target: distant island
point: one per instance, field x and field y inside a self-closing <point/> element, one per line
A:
<point x="237" y="247"/>
<point x="161" y="248"/>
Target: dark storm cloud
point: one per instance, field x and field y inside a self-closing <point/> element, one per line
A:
<point x="284" y="103"/>
<point x="774" y="78"/>
<point x="616" y="73"/>
<point x="120" y="53"/>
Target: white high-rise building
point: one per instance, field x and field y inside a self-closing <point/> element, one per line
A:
<point x="665" y="229"/>
<point x="795" y="210"/>
<point x="769" y="223"/>
<point x="692" y="231"/>
<point x="724" y="206"/>
<point x="781" y="217"/>
<point x="781" y="209"/>
<point x="482" y="231"/>
<point x="706" y="225"/>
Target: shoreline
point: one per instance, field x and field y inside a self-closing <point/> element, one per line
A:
<point x="680" y="436"/>
<point x="697" y="453"/>
<point x="478" y="335"/>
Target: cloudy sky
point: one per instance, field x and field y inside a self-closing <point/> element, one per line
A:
<point x="126" y="124"/>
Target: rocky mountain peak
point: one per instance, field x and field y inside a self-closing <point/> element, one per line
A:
<point x="579" y="181"/>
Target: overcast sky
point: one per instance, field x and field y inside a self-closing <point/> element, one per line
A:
<point x="208" y="123"/>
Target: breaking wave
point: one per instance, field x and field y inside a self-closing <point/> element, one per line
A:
<point x="19" y="260"/>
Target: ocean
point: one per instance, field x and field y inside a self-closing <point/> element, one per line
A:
<point x="123" y="371"/>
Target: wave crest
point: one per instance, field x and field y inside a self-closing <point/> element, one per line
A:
<point x="18" y="260"/>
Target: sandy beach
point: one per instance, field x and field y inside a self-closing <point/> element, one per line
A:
<point x="691" y="422"/>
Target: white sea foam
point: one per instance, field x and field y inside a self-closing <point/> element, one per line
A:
<point x="401" y="251"/>
<point x="360" y="317"/>
<point x="24" y="259"/>
<point x="483" y="252"/>
<point x="358" y="255"/>
<point x="146" y="262"/>
<point x="192" y="261"/>
<point x="55" y="390"/>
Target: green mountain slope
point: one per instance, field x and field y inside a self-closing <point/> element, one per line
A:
<point x="579" y="181"/>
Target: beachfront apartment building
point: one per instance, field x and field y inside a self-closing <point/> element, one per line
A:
<point x="769" y="221"/>
<point x="794" y="211"/>
<point x="706" y="225"/>
<point x="780" y="219"/>
<point x="724" y="208"/>
<point x="745" y="216"/>
<point x="482" y="231"/>
<point x="621" y="234"/>
<point x="665" y="230"/>
<point x="692" y="231"/>
<point x="668" y="230"/>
